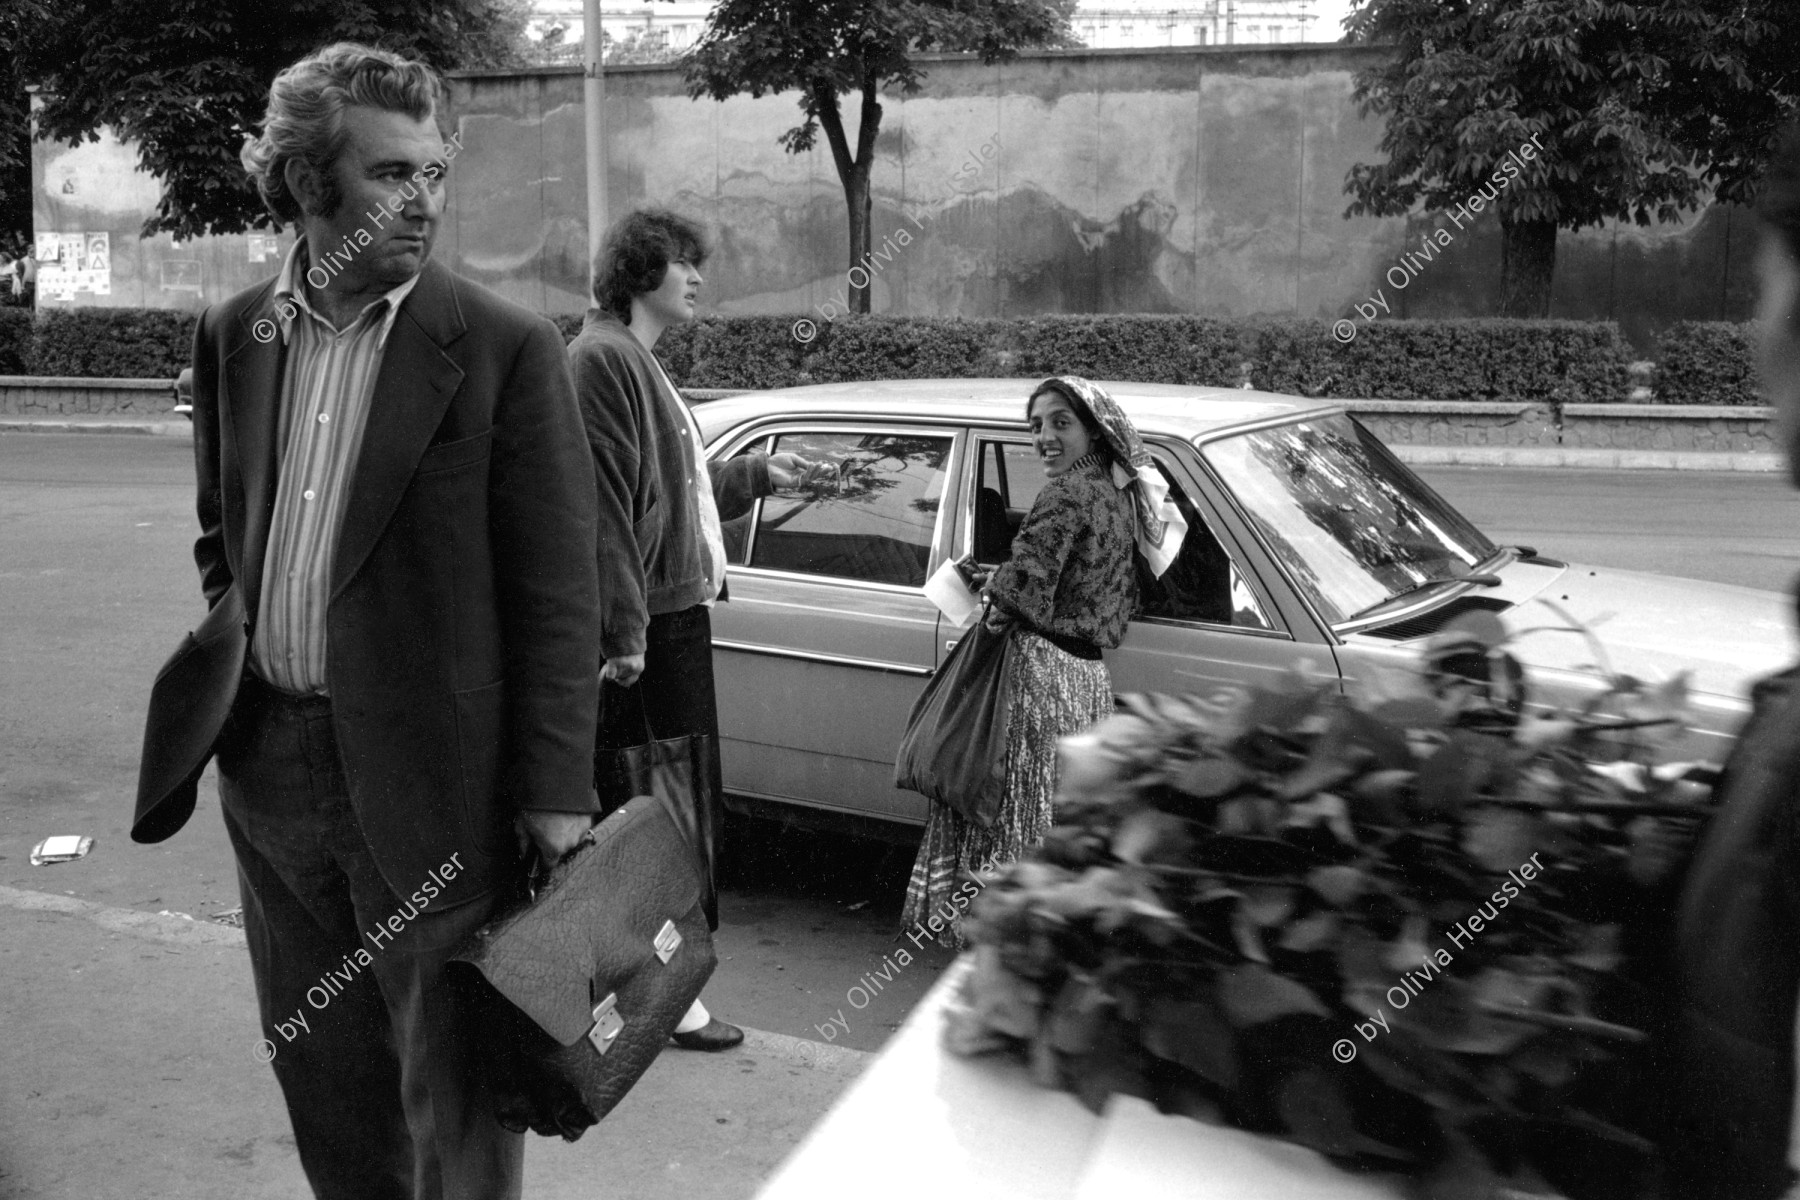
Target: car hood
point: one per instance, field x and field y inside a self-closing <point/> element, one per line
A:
<point x="1650" y="626"/>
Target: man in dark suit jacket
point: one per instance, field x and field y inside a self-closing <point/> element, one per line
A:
<point x="401" y="655"/>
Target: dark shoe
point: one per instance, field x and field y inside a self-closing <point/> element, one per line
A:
<point x="714" y="1035"/>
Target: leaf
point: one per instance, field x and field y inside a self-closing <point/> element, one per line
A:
<point x="1265" y="904"/>
<point x="1150" y="835"/>
<point x="1599" y="949"/>
<point x="1312" y="1105"/>
<point x="1248" y="937"/>
<point x="1252" y="995"/>
<point x="1541" y="733"/>
<point x="1630" y="776"/>
<point x="1209" y="777"/>
<point x="1001" y="1000"/>
<point x="1192" y="1034"/>
<point x="1455" y="774"/>
<point x="1310" y="933"/>
<point x="1339" y="886"/>
<point x="1075" y="1017"/>
<point x="1327" y="808"/>
<point x="1382" y="795"/>
<point x="1409" y="950"/>
<point x="1500" y="838"/>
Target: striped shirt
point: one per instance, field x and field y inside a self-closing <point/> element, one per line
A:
<point x="326" y="390"/>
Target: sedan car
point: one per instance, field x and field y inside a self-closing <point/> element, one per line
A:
<point x="1308" y="542"/>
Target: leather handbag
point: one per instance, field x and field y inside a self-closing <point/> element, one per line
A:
<point x="954" y="747"/>
<point x="688" y="767"/>
<point x="588" y="976"/>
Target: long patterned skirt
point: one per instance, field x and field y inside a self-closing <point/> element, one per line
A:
<point x="1053" y="694"/>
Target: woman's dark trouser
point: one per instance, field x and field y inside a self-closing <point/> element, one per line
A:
<point x="673" y="698"/>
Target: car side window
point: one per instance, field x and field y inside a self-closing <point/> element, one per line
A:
<point x="1202" y="584"/>
<point x="871" y="519"/>
<point x="1007" y="485"/>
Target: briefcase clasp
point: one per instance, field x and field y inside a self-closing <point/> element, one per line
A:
<point x="607" y="1023"/>
<point x="668" y="941"/>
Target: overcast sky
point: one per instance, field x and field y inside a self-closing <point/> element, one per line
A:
<point x="1330" y="24"/>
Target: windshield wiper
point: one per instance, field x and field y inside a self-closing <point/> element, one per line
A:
<point x="1425" y="585"/>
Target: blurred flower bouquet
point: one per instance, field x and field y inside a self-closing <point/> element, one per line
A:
<point x="1417" y="929"/>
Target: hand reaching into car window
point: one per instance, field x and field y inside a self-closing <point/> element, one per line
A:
<point x="789" y="472"/>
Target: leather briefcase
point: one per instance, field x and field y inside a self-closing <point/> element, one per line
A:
<point x="587" y="979"/>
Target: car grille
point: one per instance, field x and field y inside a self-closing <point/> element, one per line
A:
<point x="1429" y="623"/>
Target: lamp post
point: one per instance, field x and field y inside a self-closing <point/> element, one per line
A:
<point x="593" y="97"/>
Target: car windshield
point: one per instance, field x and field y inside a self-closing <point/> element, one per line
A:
<point x="1353" y="527"/>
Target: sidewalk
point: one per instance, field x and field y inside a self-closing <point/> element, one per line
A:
<point x="127" y="1072"/>
<point x="1417" y="455"/>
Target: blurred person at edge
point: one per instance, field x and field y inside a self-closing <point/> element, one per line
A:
<point x="1068" y="590"/>
<point x="1737" y="941"/>
<point x="649" y="459"/>
<point x="390" y="476"/>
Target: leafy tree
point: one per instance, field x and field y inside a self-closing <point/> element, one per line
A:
<point x="1632" y="104"/>
<point x="187" y="80"/>
<point x="20" y="22"/>
<point x="825" y="49"/>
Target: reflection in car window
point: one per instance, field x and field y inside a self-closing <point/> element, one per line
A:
<point x="872" y="520"/>
<point x="1202" y="584"/>
<point x="1350" y="525"/>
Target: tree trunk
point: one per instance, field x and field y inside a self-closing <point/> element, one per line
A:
<point x="853" y="172"/>
<point x="858" y="201"/>
<point x="1527" y="263"/>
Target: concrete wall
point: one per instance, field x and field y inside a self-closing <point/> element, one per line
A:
<point x="1183" y="180"/>
<point x="96" y="187"/>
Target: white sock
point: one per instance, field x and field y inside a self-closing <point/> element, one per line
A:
<point x="697" y="1016"/>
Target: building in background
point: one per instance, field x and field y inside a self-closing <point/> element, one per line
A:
<point x="649" y="25"/>
<point x="1141" y="24"/>
<point x="1100" y="24"/>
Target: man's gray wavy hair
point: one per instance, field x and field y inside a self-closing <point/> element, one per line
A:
<point x="305" y="118"/>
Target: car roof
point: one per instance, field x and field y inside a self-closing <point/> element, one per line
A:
<point x="1171" y="410"/>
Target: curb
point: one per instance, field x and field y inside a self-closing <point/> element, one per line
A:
<point x="1586" y="459"/>
<point x="182" y="929"/>
<point x="153" y="428"/>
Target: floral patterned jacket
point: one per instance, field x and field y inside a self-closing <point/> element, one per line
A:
<point x="1071" y="571"/>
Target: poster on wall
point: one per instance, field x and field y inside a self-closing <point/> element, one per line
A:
<point x="73" y="262"/>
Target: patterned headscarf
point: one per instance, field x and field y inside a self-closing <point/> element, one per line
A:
<point x="1160" y="526"/>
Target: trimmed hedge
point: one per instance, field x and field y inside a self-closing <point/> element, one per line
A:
<point x="910" y="348"/>
<point x="1450" y="360"/>
<point x="1145" y="349"/>
<point x="1708" y="362"/>
<point x="124" y="343"/>
<point x="16" y="335"/>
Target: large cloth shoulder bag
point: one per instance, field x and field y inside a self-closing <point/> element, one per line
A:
<point x="954" y="748"/>
<point x="588" y="977"/>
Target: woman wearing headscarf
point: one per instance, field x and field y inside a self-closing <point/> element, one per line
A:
<point x="1067" y="593"/>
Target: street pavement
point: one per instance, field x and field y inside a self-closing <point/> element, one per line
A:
<point x="137" y="1080"/>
